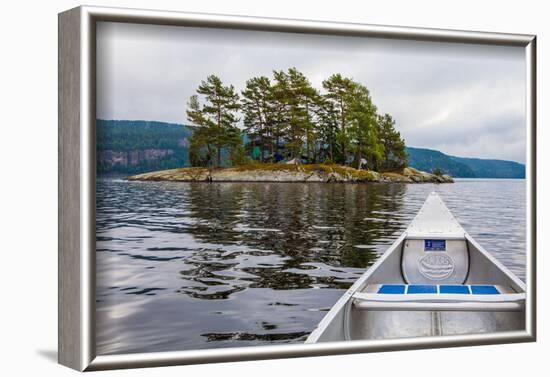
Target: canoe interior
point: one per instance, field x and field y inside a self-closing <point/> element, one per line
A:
<point x="402" y="324"/>
<point x="346" y="322"/>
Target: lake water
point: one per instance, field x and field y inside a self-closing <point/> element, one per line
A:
<point x="184" y="266"/>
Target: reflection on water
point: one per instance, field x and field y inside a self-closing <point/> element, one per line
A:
<point x="204" y="265"/>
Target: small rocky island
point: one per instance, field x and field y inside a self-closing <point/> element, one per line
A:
<point x="282" y="129"/>
<point x="290" y="173"/>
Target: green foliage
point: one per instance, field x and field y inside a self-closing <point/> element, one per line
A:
<point x="362" y="130"/>
<point x="339" y="94"/>
<point x="123" y="145"/>
<point x="215" y="119"/>
<point x="394" y="151"/>
<point x="487" y="168"/>
<point x="259" y="117"/>
<point x="288" y="116"/>
<point x="130" y="139"/>
<point x="130" y="135"/>
<point x="295" y="98"/>
<point x="304" y="99"/>
<point x="438" y="172"/>
<point x="200" y="149"/>
<point x="238" y="156"/>
<point x="327" y="128"/>
<point x="428" y="160"/>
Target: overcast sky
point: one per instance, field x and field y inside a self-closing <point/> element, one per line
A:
<point x="464" y="100"/>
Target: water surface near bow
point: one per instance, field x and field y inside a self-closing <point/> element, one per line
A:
<point x="185" y="266"/>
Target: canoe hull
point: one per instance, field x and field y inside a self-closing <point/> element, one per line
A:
<point x="351" y="319"/>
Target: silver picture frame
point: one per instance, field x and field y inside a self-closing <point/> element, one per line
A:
<point x="77" y="179"/>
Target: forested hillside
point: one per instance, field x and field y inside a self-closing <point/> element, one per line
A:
<point x="136" y="146"/>
<point x="429" y="160"/>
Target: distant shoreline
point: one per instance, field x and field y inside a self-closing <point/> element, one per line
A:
<point x="322" y="173"/>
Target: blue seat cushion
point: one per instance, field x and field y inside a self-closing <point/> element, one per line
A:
<point x="396" y="289"/>
<point x="484" y="290"/>
<point x="399" y="289"/>
<point x="454" y="289"/>
<point x="418" y="288"/>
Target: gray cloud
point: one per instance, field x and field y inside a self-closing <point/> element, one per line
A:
<point x="466" y="100"/>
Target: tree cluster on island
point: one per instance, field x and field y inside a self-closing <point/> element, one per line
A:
<point x="286" y="118"/>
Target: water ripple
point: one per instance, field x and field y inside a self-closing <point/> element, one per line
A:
<point x="193" y="265"/>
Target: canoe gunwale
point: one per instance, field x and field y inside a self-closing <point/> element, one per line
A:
<point x="359" y="284"/>
<point x="344" y="302"/>
<point x="520" y="285"/>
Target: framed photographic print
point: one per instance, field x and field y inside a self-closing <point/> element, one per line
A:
<point x="235" y="188"/>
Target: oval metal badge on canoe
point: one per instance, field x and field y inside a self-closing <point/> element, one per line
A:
<point x="436" y="266"/>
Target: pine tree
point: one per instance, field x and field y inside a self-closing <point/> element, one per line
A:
<point x="216" y="119"/>
<point x="340" y="93"/>
<point x="201" y="146"/>
<point x="289" y="113"/>
<point x="394" y="150"/>
<point x="363" y="128"/>
<point x="257" y="106"/>
<point x="306" y="99"/>
<point x="327" y="127"/>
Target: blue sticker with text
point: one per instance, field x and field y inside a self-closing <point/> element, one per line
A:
<point x="434" y="245"/>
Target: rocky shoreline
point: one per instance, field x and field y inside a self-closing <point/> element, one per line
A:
<point x="290" y="173"/>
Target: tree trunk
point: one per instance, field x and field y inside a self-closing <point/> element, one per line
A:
<point x="261" y="147"/>
<point x="343" y="127"/>
<point x="271" y="144"/>
<point x="220" y="130"/>
<point x="307" y="145"/>
<point x="261" y="129"/>
<point x="307" y="131"/>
